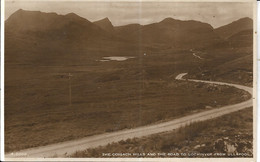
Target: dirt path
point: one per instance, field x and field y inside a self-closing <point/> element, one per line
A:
<point x="69" y="147"/>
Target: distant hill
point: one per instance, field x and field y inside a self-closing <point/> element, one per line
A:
<point x="235" y="27"/>
<point x="174" y="33"/>
<point x="34" y="36"/>
<point x="180" y="33"/>
<point x="121" y="31"/>
<point x="105" y="24"/>
<point x="38" y="38"/>
<point x="48" y="38"/>
<point x="170" y="32"/>
<point x="242" y="39"/>
<point x="52" y="25"/>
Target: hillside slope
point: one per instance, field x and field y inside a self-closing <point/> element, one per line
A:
<point x="235" y="27"/>
<point x="105" y="24"/>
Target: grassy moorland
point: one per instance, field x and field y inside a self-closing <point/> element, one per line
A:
<point x="106" y="96"/>
<point x="226" y="66"/>
<point x="227" y="136"/>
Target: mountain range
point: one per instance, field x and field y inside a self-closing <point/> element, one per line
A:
<point x="235" y="27"/>
<point x="51" y="35"/>
<point x="169" y="31"/>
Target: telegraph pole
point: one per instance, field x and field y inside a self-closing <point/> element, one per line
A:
<point x="70" y="88"/>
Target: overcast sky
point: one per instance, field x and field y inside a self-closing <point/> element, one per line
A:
<point x="122" y="13"/>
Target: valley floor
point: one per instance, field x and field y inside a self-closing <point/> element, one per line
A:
<point x="109" y="96"/>
<point x="61" y="149"/>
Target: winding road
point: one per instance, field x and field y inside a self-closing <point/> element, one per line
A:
<point x="66" y="148"/>
<point x="194" y="54"/>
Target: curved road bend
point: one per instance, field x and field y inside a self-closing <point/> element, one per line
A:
<point x="70" y="147"/>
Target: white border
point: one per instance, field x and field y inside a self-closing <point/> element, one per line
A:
<point x="258" y="77"/>
<point x="139" y="159"/>
<point x="139" y="0"/>
<point x="2" y="80"/>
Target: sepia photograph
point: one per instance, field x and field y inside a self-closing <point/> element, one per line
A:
<point x="125" y="79"/>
